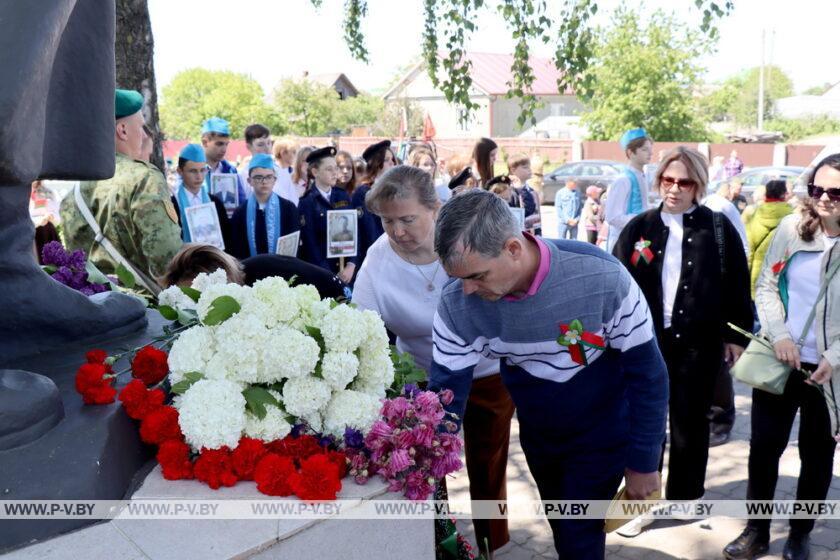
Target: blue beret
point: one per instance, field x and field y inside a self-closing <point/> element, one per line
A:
<point x="193" y="152"/>
<point x="261" y="160"/>
<point x="127" y="102"/>
<point x="631" y="135"/>
<point x="216" y="125"/>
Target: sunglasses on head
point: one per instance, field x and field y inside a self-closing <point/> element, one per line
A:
<point x="683" y="184"/>
<point x="816" y="193"/>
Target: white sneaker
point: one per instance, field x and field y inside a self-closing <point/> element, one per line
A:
<point x="635" y="526"/>
<point x="688" y="510"/>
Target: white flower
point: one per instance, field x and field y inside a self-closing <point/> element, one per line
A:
<point x="313" y="315"/>
<point x="204" y="280"/>
<point x="339" y="369"/>
<point x="351" y="408"/>
<point x="239" y="350"/>
<point x="212" y="414"/>
<point x="376" y="337"/>
<point x="288" y="353"/>
<point x="190" y="352"/>
<point x="315" y="422"/>
<point x="274" y="301"/>
<point x="376" y="370"/>
<point x="368" y="387"/>
<point x="273" y="426"/>
<point x="175" y="298"/>
<point x="209" y="295"/>
<point x="305" y="395"/>
<point x="341" y="329"/>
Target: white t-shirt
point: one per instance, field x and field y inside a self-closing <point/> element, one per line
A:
<point x="803" y="275"/>
<point x="397" y="290"/>
<point x="672" y="265"/>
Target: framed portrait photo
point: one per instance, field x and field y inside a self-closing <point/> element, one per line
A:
<point x="519" y="216"/>
<point x="288" y="244"/>
<point x="226" y="187"/>
<point x="342" y="233"/>
<point x="203" y="224"/>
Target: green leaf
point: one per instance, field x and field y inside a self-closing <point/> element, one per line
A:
<point x="191" y="293"/>
<point x="256" y="399"/>
<point x="51" y="268"/>
<point x="189" y="379"/>
<point x="168" y="313"/>
<point x="319" y="338"/>
<point x="222" y="309"/>
<point x="187" y="316"/>
<point x="95" y="275"/>
<point x="126" y="277"/>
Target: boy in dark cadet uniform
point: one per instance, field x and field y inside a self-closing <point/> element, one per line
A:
<point x="313" y="206"/>
<point x="265" y="217"/>
<point x="192" y="169"/>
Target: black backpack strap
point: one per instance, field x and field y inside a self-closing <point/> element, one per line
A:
<point x="717" y="221"/>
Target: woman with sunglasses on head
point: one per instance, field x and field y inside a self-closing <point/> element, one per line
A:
<point x="690" y="264"/>
<point x="798" y="291"/>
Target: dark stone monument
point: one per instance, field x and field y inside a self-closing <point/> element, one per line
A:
<point x="57" y="110"/>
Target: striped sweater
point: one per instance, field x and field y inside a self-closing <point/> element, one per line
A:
<point x="619" y="398"/>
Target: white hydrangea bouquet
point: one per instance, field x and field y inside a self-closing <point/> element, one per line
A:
<point x="254" y="361"/>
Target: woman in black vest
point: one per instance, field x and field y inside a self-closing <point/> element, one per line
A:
<point x="691" y="266"/>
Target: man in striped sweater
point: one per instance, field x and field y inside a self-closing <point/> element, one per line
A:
<point x="575" y="339"/>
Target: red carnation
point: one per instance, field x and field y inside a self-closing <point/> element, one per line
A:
<point x="160" y="425"/>
<point x="296" y="448"/>
<point x="174" y="458"/>
<point x="96" y="356"/>
<point x="149" y="365"/>
<point x="339" y="459"/>
<point x="246" y="456"/>
<point x="92" y="384"/>
<point x="138" y="401"/>
<point x="318" y="479"/>
<point x="215" y="468"/>
<point x="275" y="475"/>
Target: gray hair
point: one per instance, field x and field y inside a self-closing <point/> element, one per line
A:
<point x="402" y="182"/>
<point x="479" y="221"/>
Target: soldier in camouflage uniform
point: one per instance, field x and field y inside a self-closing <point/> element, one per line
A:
<point x="132" y="208"/>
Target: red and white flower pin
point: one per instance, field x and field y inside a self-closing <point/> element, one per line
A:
<point x="577" y="339"/>
<point x="642" y="251"/>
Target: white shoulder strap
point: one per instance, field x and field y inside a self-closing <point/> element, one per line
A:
<point x="100" y="238"/>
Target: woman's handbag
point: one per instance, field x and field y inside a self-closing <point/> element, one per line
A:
<point x="758" y="366"/>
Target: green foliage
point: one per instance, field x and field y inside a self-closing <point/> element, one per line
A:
<point x="257" y="398"/>
<point x="191" y="293"/>
<point x="643" y="75"/>
<point x="717" y="105"/>
<point x="818" y="90"/>
<point x="167" y="312"/>
<point x="308" y="108"/>
<point x="362" y="110"/>
<point x="189" y="379"/>
<point x="125" y="276"/>
<point x="737" y="98"/>
<point x="197" y="94"/>
<point x="449" y="23"/>
<point x="221" y="309"/>
<point x="405" y="372"/>
<point x="799" y="129"/>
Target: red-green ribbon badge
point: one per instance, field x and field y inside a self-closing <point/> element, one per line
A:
<point x="577" y="339"/>
<point x="642" y="251"/>
<point x="778" y="267"/>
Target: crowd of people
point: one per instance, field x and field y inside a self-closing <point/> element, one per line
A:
<point x="596" y="345"/>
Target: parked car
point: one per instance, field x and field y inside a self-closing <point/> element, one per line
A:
<point x="756" y="176"/>
<point x="584" y="173"/>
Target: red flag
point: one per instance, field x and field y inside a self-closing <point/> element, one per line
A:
<point x="429" y="131"/>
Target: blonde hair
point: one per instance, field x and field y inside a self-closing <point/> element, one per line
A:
<point x="457" y="163"/>
<point x="516" y="160"/>
<point x="301" y="168"/>
<point x="695" y="164"/>
<point x="285" y="144"/>
<point x="195" y="258"/>
<point x="500" y="188"/>
<point x="417" y="156"/>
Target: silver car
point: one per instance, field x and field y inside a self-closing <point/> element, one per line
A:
<point x="583" y="173"/>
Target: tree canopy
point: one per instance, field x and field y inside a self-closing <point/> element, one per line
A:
<point x="645" y="75"/>
<point x="737" y="98"/>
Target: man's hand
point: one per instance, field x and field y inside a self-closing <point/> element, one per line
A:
<point x="731" y="353"/>
<point x="641" y="485"/>
<point x="346" y="273"/>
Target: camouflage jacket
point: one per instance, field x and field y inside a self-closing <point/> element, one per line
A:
<point x="135" y="213"/>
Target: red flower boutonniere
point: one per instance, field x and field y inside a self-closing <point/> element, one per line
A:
<point x="642" y="251"/>
<point x="577" y="339"/>
<point x="779" y="266"/>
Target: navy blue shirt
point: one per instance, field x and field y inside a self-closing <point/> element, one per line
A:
<point x="312" y="208"/>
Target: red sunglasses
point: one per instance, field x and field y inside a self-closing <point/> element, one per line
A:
<point x="683" y="184"/>
<point x="816" y="193"/>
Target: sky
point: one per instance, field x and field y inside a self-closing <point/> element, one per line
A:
<point x="275" y="39"/>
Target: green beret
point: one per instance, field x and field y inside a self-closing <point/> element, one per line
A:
<point x="127" y="102"/>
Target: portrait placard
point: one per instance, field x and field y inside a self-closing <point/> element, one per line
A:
<point x="226" y="187"/>
<point x="288" y="244"/>
<point x="519" y="216"/>
<point x="203" y="224"/>
<point x="342" y="233"/>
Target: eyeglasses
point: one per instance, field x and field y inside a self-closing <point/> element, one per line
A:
<point x="684" y="184"/>
<point x="816" y="193"/>
<point x="263" y="178"/>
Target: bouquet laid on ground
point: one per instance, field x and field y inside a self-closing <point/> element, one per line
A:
<point x="75" y="271"/>
<point x="272" y="384"/>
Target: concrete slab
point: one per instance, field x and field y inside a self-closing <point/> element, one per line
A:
<point x="95" y="542"/>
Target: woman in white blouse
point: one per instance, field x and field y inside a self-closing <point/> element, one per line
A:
<point x="401" y="279"/>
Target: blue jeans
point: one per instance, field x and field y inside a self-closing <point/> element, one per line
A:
<point x="565" y="231"/>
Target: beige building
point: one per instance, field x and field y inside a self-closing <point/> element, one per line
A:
<point x="496" y="115"/>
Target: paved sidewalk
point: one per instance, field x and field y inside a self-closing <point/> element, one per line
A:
<point x="665" y="540"/>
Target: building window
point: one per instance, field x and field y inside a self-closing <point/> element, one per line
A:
<point x="463" y="120"/>
<point x="558" y="110"/>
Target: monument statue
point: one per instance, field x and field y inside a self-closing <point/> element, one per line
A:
<point x="57" y="110"/>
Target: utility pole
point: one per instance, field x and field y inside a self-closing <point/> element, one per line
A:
<point x="761" y="87"/>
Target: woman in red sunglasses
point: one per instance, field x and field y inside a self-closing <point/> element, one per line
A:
<point x="798" y="291"/>
<point x="689" y="262"/>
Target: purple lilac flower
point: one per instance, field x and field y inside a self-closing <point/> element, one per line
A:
<point x="353" y="438"/>
<point x="411" y="390"/>
<point x="53" y="254"/>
